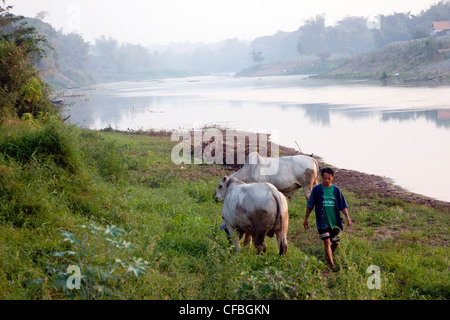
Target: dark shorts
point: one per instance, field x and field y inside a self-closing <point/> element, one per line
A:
<point x="329" y="233"/>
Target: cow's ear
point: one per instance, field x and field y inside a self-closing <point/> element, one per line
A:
<point x="225" y="179"/>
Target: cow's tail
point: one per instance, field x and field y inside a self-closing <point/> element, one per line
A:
<point x="280" y="217"/>
<point x="318" y="170"/>
<point x="276" y="195"/>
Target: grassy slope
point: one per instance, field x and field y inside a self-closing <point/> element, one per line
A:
<point x="76" y="177"/>
<point x="421" y="59"/>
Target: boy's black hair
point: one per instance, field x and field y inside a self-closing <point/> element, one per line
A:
<point x="327" y="170"/>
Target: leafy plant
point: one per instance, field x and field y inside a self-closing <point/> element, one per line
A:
<point x="32" y="92"/>
<point x="271" y="283"/>
<point x="101" y="274"/>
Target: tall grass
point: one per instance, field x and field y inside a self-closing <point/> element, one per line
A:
<point x="57" y="182"/>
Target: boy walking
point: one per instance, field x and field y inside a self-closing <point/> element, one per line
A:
<point x="328" y="201"/>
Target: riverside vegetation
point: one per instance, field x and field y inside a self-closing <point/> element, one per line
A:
<point x="114" y="206"/>
<point x="140" y="227"/>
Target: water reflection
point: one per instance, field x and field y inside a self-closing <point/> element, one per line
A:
<point x="370" y="120"/>
<point x="440" y="117"/>
<point x="319" y="113"/>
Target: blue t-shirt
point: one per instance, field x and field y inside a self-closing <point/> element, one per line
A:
<point x="316" y="200"/>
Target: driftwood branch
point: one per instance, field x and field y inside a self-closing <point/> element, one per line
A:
<point x="299" y="149"/>
<point x="301" y="152"/>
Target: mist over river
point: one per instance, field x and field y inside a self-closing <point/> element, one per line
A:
<point x="398" y="131"/>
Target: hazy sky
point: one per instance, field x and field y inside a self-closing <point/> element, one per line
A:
<point x="164" y="21"/>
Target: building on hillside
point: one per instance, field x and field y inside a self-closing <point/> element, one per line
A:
<point x="440" y="28"/>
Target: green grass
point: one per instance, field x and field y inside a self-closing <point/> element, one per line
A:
<point x="63" y="189"/>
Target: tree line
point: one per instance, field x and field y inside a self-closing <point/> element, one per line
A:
<point x="355" y="35"/>
<point x="67" y="59"/>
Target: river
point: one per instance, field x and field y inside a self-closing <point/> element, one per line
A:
<point x="398" y="131"/>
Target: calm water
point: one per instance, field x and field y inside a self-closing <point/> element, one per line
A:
<point x="401" y="132"/>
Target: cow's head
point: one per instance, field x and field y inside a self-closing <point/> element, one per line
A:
<point x="222" y="188"/>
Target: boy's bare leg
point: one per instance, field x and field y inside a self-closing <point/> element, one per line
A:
<point x="334" y="246"/>
<point x="329" y="252"/>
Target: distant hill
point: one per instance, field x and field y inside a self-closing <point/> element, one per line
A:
<point x="421" y="59"/>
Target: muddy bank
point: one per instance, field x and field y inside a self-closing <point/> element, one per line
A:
<point x="372" y="186"/>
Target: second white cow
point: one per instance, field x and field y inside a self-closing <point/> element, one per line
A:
<point x="255" y="209"/>
<point x="287" y="174"/>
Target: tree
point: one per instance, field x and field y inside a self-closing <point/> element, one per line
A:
<point x="257" y="56"/>
<point x="104" y="59"/>
<point x="324" y="55"/>
<point x="300" y="47"/>
<point x="313" y="38"/>
<point x="394" y="27"/>
<point x="21" y="90"/>
<point x="72" y="58"/>
<point x="41" y="15"/>
<point x="32" y="92"/>
<point x="351" y="36"/>
<point x="14" y="29"/>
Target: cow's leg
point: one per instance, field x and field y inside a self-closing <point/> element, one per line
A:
<point x="228" y="234"/>
<point x="309" y="182"/>
<point x="237" y="237"/>
<point x="289" y="192"/>
<point x="259" y="242"/>
<point x="307" y="191"/>
<point x="248" y="239"/>
<point x="237" y="242"/>
<point x="282" y="242"/>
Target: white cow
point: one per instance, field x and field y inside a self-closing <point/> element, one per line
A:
<point x="287" y="174"/>
<point x="255" y="209"/>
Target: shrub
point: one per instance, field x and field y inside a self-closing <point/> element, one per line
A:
<point x="40" y="141"/>
<point x="95" y="265"/>
<point x="21" y="90"/>
<point x="273" y="284"/>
